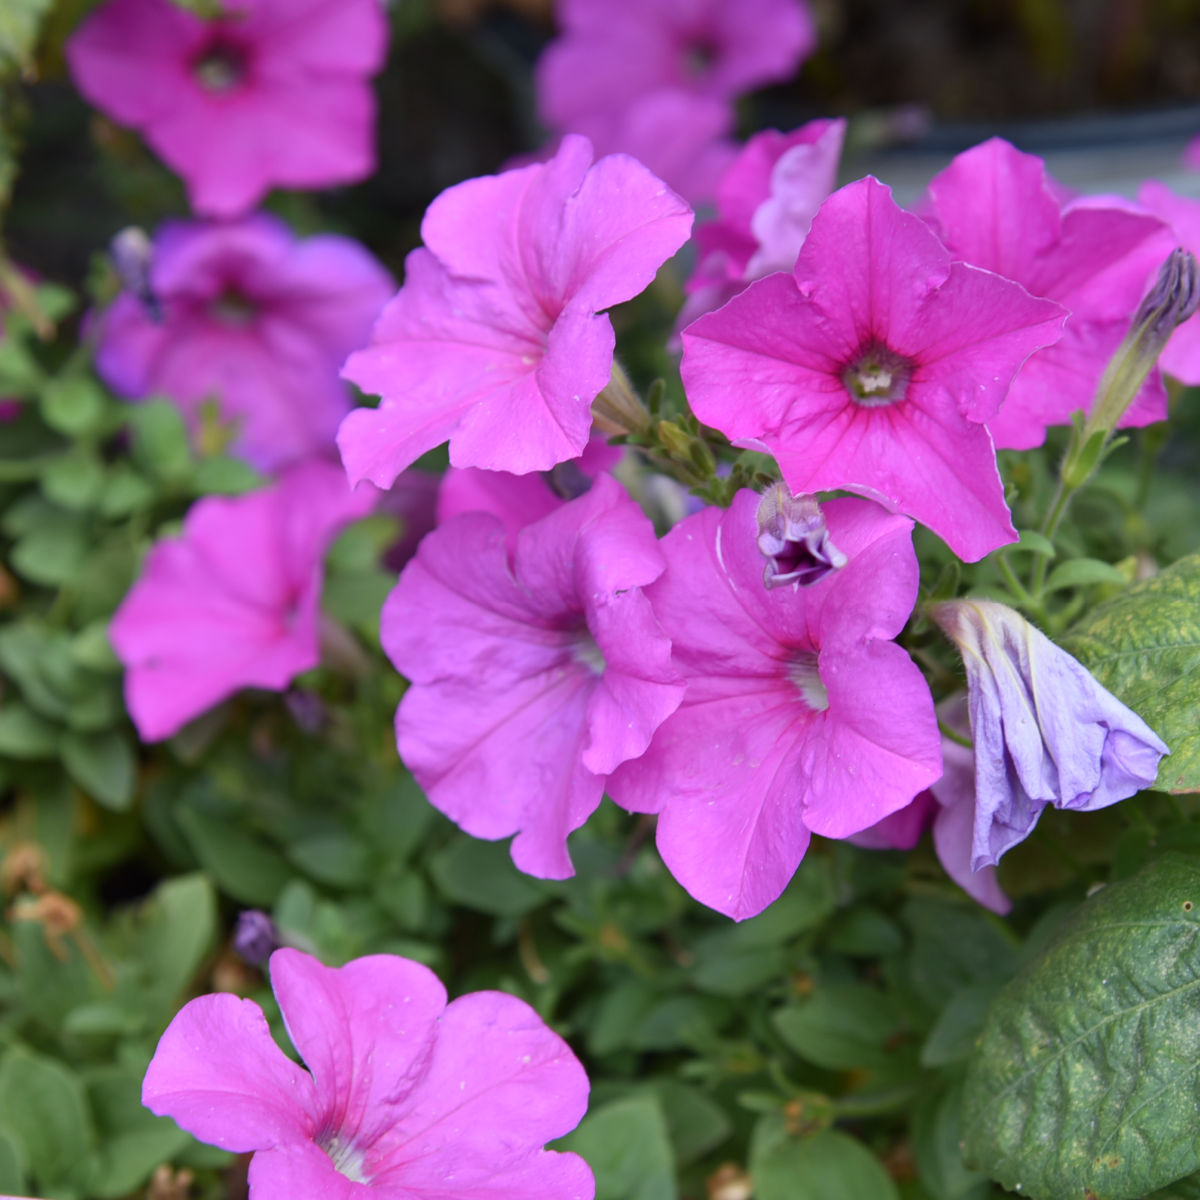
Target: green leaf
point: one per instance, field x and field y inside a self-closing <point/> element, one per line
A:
<point x="161" y="444"/>
<point x="24" y="735"/>
<point x="43" y="1105"/>
<point x="1144" y="646"/>
<point x="73" y="405"/>
<point x="74" y="480"/>
<point x="125" y="491"/>
<point x="1034" y="542"/>
<point x="12" y="1172"/>
<point x="335" y="857"/>
<point x="1087" y="1073"/>
<point x="952" y="1038"/>
<point x="695" y="1123"/>
<point x="20" y="24"/>
<point x="627" y="1146"/>
<point x="246" y="868"/>
<point x="841" y="1026"/>
<point x="103" y="764"/>
<point x="1083" y="572"/>
<point x="826" y="1166"/>
<point x="53" y="553"/>
<point x="482" y="876"/>
<point x="935" y="1141"/>
<point x="222" y="476"/>
<point x="180" y="926"/>
<point x="126" y="1162"/>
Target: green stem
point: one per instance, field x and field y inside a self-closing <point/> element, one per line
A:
<point x="1062" y="497"/>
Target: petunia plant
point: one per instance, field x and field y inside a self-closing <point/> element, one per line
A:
<point x="729" y="624"/>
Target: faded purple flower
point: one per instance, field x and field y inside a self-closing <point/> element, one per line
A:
<point x="794" y="539"/>
<point x="255" y="937"/>
<point x="1044" y="730"/>
<point x="277" y="93"/>
<point x="249" y="317"/>
<point x="405" y="1096"/>
<point x="535" y="670"/>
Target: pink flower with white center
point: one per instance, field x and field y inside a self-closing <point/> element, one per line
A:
<point x="874" y="367"/>
<point x="404" y="1095"/>
<point x="1181" y="358"/>
<point x="275" y="94"/>
<point x="997" y="208"/>
<point x="535" y="673"/>
<point x="766" y="202"/>
<point x="612" y="52"/>
<point x="234" y="601"/>
<point x="497" y="339"/>
<point x="254" y="319"/>
<point x="801" y="715"/>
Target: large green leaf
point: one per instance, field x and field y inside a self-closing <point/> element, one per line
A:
<point x="627" y="1146"/>
<point x="1144" y="646"/>
<point x="825" y="1166"/>
<point x="1086" y="1080"/>
<point x="20" y="24"/>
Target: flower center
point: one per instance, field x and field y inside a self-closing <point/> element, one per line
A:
<point x="233" y="309"/>
<point x="802" y="671"/>
<point x="584" y="650"/>
<point x="347" y="1159"/>
<point x="220" y="68"/>
<point x="878" y="376"/>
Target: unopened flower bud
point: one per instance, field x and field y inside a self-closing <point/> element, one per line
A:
<point x="132" y="256"/>
<point x="618" y="409"/>
<point x="1172" y="299"/>
<point x="792" y="537"/>
<point x="255" y="937"/>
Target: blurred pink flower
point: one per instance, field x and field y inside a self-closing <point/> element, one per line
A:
<point x="534" y="673"/>
<point x="1191" y="156"/>
<point x="1181" y="358"/>
<point x="252" y="318"/>
<point x="404" y="1094"/>
<point x="612" y="52"/>
<point x="765" y="203"/>
<point x="873" y="367"/>
<point x="997" y="208"/>
<point x="497" y="340"/>
<point x="276" y="94"/>
<point x="234" y="601"/>
<point x="801" y="715"/>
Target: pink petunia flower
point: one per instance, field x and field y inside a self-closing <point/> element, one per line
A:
<point x="997" y="208"/>
<point x="254" y="319"/>
<point x="534" y="673"/>
<point x="497" y="339"/>
<point x="874" y="367"/>
<point x="1191" y="155"/>
<point x="275" y="94"/>
<point x="404" y="1095"/>
<point x="766" y="202"/>
<point x="519" y="500"/>
<point x="1181" y="358"/>
<point x="800" y="715"/>
<point x="234" y="601"/>
<point x="612" y="52"/>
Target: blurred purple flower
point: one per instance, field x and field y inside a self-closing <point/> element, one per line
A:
<point x="1044" y="730"/>
<point x="234" y="601"/>
<point x="252" y="318"/>
<point x="766" y="201"/>
<point x="255" y="936"/>
<point x="404" y="1095"/>
<point x="277" y="93"/>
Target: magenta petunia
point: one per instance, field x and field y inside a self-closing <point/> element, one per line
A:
<point x="610" y="53"/>
<point x="997" y="208"/>
<point x="534" y="673"/>
<point x="275" y="94"/>
<point x="765" y="205"/>
<point x="874" y="367"/>
<point x="519" y="500"/>
<point x="497" y="340"/>
<point x="234" y="601"/>
<point x="801" y="715"/>
<point x="1181" y="358"/>
<point x="253" y="319"/>
<point x="404" y="1095"/>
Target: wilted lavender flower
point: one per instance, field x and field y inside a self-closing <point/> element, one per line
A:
<point x="1045" y="731"/>
<point x="794" y="540"/>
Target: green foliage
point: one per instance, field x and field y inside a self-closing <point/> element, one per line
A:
<point x="1085" y="1080"/>
<point x="1144" y="646"/>
<point x="20" y="24"/>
